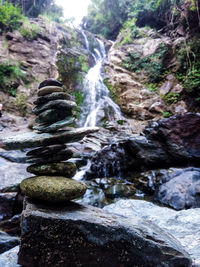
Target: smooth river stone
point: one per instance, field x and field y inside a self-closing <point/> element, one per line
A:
<point x="49" y="89"/>
<point x="59" y="156"/>
<point x="67" y="169"/>
<point x="33" y="139"/>
<point x="54" y="96"/>
<point x="55" y="104"/>
<point x="52" y="188"/>
<point x="55" y="126"/>
<point x="50" y="82"/>
<point x="52" y="115"/>
<point x="45" y="151"/>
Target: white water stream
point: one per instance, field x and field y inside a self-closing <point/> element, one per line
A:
<point x="97" y="104"/>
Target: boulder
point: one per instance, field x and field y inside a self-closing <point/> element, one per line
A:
<point x="183" y="225"/>
<point x="182" y="191"/>
<point x="77" y="235"/>
<point x="7" y="242"/>
<point x="52" y="188"/>
<point x="67" y="169"/>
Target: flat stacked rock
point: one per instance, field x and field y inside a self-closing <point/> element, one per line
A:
<point x="53" y="184"/>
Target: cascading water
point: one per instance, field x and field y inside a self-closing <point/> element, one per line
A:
<point x="97" y="104"/>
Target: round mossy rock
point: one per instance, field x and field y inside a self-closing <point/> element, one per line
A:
<point x="52" y="188"/>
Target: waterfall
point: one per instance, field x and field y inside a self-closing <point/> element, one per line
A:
<point x="97" y="105"/>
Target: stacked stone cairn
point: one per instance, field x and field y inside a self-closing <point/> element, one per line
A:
<point x="53" y="182"/>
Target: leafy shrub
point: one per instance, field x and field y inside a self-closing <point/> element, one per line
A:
<point x="171" y="98"/>
<point x="191" y="82"/>
<point x="9" y="77"/>
<point x="153" y="65"/>
<point x="167" y="114"/>
<point x="29" y="30"/>
<point x="20" y="101"/>
<point x="10" y="17"/>
<point x="79" y="97"/>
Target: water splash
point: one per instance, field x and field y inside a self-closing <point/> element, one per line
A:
<point x="97" y="104"/>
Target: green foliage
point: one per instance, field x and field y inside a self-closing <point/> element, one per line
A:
<point x="191" y="82"/>
<point x="171" y="98"/>
<point x="10" y="17"/>
<point x="167" y="114"/>
<point x="84" y="64"/>
<point x="10" y="74"/>
<point x="153" y="87"/>
<point x="152" y="65"/>
<point x="112" y="89"/>
<point x="121" y="122"/>
<point x="29" y="30"/>
<point x="189" y="71"/>
<point x="20" y="101"/>
<point x="79" y="97"/>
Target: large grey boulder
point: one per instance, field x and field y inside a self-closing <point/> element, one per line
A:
<point x="77" y="235"/>
<point x="183" y="225"/>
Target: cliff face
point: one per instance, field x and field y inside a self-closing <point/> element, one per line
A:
<point x="56" y="51"/>
<point x="144" y="75"/>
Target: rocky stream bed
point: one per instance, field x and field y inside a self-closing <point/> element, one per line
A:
<point x="148" y="186"/>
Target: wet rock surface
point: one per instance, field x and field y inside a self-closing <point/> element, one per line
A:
<point x="12" y="225"/>
<point x="7" y="242"/>
<point x="183" y="225"/>
<point x="86" y="236"/>
<point x="7" y="202"/>
<point x="166" y="143"/>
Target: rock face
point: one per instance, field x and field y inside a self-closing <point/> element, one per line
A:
<point x="75" y="235"/>
<point x="168" y="142"/>
<point x="52" y="188"/>
<point x="183" y="225"/>
<point x="135" y="75"/>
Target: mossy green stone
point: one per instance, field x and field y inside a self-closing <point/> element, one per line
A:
<point x="67" y="169"/>
<point x="52" y="188"/>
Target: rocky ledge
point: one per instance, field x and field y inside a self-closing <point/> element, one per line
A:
<point x="32" y="139"/>
<point x="77" y="235"/>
